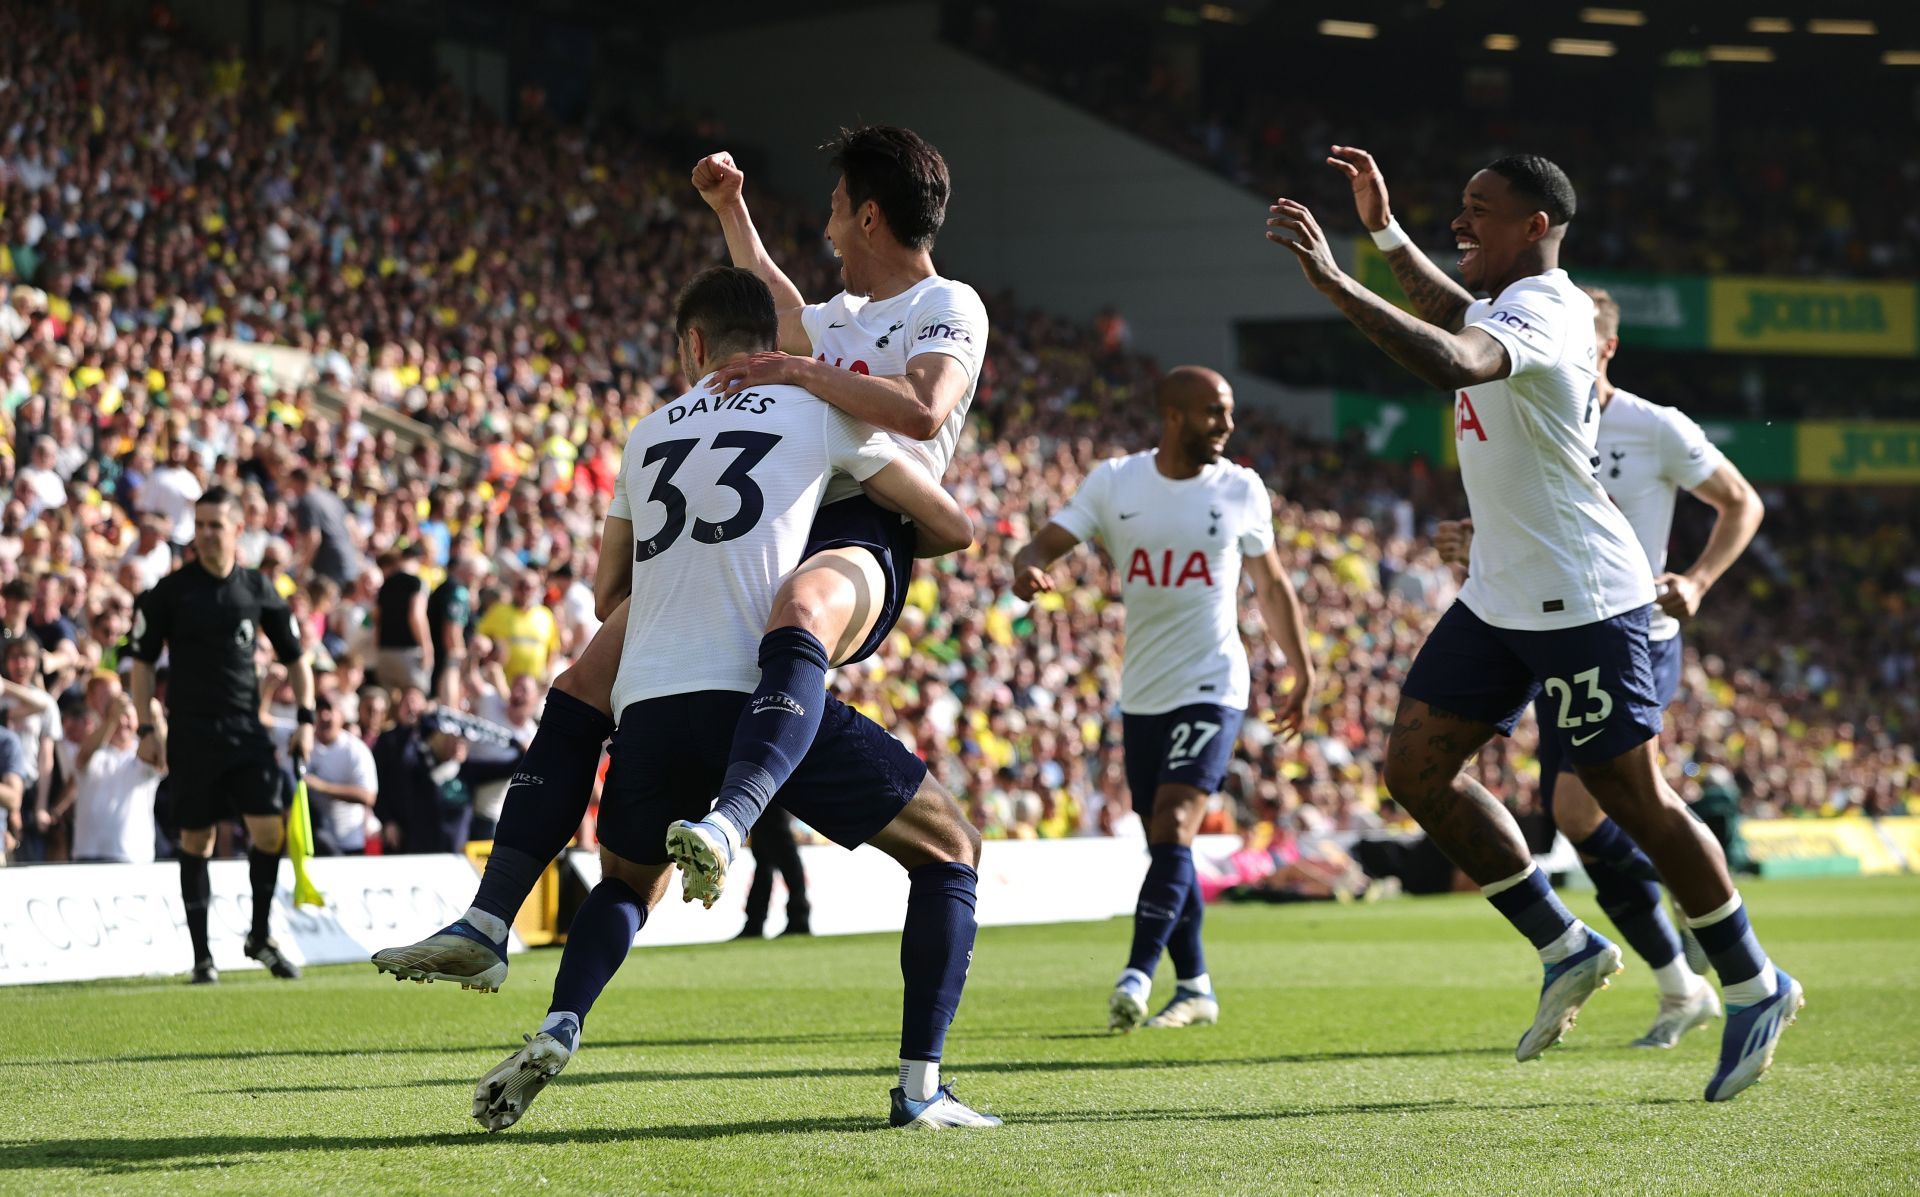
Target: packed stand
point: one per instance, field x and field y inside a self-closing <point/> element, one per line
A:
<point x="506" y="288"/>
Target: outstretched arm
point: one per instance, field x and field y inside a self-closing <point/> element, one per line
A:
<point x="722" y="185"/>
<point x="1030" y="575"/>
<point x="1443" y="359"/>
<point x="1437" y="298"/>
<point x="914" y="404"/>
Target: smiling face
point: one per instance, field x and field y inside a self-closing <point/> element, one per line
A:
<point x="845" y="232"/>
<point x="1496" y="226"/>
<point x="1197" y="405"/>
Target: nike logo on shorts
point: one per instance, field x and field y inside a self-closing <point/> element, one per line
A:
<point x="1577" y="741"/>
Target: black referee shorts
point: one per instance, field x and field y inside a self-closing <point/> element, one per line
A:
<point x="221" y="768"/>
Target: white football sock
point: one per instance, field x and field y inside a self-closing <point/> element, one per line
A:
<point x="1200" y="984"/>
<point x="920" y="1078"/>
<point x="1571" y="940"/>
<point x="728" y="832"/>
<point x="490" y="925"/>
<point x="1754" y="989"/>
<point x="1675" y="979"/>
<point x="1137" y="981"/>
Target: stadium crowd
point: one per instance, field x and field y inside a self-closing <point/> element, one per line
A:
<point x="505" y="287"/>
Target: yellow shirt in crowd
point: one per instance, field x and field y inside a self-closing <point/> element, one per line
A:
<point x="531" y="636"/>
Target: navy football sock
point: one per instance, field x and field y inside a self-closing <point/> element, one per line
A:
<point x="544" y="803"/>
<point x="263" y="868"/>
<point x="776" y="726"/>
<point x="1531" y="906"/>
<point x="1183" y="946"/>
<point x="1630" y="901"/>
<point x="1614" y="846"/>
<point x="196" y="891"/>
<point x="1730" y="943"/>
<point x="1163" y="900"/>
<point x="936" y="949"/>
<point x="598" y="941"/>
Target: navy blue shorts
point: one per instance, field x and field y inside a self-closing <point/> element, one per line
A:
<point x="669" y="756"/>
<point x="1665" y="657"/>
<point x="889" y="536"/>
<point x="1189" y="746"/>
<point x="1596" y="680"/>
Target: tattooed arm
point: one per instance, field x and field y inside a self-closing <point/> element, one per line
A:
<point x="1437" y="298"/>
<point x="1445" y="359"/>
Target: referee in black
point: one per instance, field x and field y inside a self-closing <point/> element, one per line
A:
<point x="208" y="614"/>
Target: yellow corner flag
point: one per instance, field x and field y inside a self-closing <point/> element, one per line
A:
<point x="300" y="840"/>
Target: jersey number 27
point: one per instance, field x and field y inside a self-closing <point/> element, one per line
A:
<point x="753" y="447"/>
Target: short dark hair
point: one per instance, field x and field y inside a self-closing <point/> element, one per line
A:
<point x="731" y="306"/>
<point x="1539" y="182"/>
<point x="901" y="172"/>
<point x="217" y="496"/>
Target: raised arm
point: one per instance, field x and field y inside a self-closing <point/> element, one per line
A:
<point x="1435" y="295"/>
<point x="1444" y="359"/>
<point x="1279" y="607"/>
<point x="722" y="184"/>
<point x="1030" y="575"/>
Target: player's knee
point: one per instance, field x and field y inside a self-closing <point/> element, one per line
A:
<point x="1405" y="783"/>
<point x="647" y="880"/>
<point x="268" y="837"/>
<point x="817" y="613"/>
<point x="198" y="842"/>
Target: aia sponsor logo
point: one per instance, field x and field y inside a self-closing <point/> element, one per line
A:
<point x="1141" y="567"/>
<point x="1466" y="420"/>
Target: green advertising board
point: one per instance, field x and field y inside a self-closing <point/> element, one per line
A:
<point x="1409" y="427"/>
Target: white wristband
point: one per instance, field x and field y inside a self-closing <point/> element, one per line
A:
<point x="1392" y="237"/>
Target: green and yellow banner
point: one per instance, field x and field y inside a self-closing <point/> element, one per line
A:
<point x="1828" y="451"/>
<point x="1732" y="314"/>
<point x="1839" y="319"/>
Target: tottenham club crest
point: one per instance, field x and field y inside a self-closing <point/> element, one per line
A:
<point x="243" y="635"/>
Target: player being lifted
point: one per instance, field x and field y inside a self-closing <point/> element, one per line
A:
<point x="1557" y="596"/>
<point x="712" y="510"/>
<point x="901" y="348"/>
<point x="1647" y="453"/>
<point x="1177" y="522"/>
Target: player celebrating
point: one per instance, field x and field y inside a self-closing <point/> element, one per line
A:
<point x="1557" y="596"/>
<point x="207" y="615"/>
<point x="901" y="349"/>
<point x="715" y="498"/>
<point x="1179" y="521"/>
<point x="1647" y="452"/>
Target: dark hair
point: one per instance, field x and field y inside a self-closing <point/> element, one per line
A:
<point x="1540" y="183"/>
<point x="217" y="496"/>
<point x="901" y="172"/>
<point x="731" y="306"/>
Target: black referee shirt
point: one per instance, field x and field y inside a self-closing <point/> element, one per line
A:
<point x="209" y="625"/>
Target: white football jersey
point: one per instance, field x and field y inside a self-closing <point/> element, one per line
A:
<point x="1550" y="550"/>
<point x="722" y="493"/>
<point x="1648" y="453"/>
<point x="1177" y="544"/>
<point x="879" y="337"/>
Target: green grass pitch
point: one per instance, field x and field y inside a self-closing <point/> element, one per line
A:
<point x="1363" y="1049"/>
